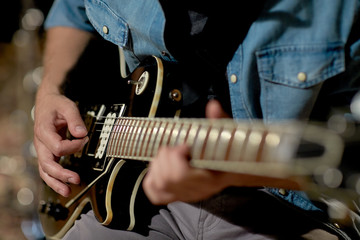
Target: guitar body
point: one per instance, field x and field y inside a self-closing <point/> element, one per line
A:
<point x="111" y="186"/>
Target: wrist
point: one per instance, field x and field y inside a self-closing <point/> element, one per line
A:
<point x="49" y="85"/>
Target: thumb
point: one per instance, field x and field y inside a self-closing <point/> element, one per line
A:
<point x="74" y="121"/>
<point x="215" y="110"/>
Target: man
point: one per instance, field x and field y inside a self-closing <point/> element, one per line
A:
<point x="277" y="56"/>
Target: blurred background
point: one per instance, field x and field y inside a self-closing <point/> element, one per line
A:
<point x="21" y="48"/>
<point x="21" y="45"/>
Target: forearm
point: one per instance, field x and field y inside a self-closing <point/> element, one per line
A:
<point x="63" y="48"/>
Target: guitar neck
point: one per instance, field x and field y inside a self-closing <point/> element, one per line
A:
<point x="224" y="144"/>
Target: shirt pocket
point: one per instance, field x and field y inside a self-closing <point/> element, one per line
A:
<point x="291" y="77"/>
<point x="301" y="66"/>
<point x="107" y="23"/>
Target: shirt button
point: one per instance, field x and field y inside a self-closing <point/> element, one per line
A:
<point x="105" y="29"/>
<point x="282" y="191"/>
<point x="233" y="78"/>
<point x="301" y="76"/>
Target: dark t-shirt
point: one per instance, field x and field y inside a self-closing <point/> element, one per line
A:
<point x="211" y="31"/>
<point x="204" y="35"/>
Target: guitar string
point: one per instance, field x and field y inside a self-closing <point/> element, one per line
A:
<point x="200" y="123"/>
<point x="123" y="143"/>
<point x="126" y="149"/>
<point x="140" y="134"/>
<point x="169" y="119"/>
<point x="138" y="137"/>
<point x="141" y="124"/>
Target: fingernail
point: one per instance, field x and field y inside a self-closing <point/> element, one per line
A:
<point x="62" y="192"/>
<point x="70" y="180"/>
<point x="85" y="141"/>
<point x="80" y="129"/>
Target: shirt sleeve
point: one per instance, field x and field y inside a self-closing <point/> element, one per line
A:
<point x="68" y="13"/>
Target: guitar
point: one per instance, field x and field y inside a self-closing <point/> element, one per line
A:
<point x="124" y="137"/>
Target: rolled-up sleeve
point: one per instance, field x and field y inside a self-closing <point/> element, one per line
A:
<point x="68" y="13"/>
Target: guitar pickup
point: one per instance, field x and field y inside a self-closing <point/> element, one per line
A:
<point x="102" y="132"/>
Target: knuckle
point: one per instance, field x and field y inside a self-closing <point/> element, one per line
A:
<point x="41" y="173"/>
<point x="58" y="149"/>
<point x="42" y="162"/>
<point x="156" y="200"/>
<point x="71" y="108"/>
<point x="161" y="186"/>
<point x="37" y="130"/>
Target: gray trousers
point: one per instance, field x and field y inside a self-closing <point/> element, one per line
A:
<point x="222" y="217"/>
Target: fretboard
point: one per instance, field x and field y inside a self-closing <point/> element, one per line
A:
<point x="215" y="144"/>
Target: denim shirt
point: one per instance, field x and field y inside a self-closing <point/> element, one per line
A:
<point x="276" y="73"/>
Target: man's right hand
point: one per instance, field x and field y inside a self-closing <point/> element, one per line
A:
<point x="54" y="114"/>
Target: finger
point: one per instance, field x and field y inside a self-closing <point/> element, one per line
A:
<point x="48" y="132"/>
<point x="171" y="163"/>
<point x="58" y="186"/>
<point x="49" y="166"/>
<point x="154" y="188"/>
<point x="215" y="110"/>
<point x="183" y="150"/>
<point x="56" y="144"/>
<point x="158" y="184"/>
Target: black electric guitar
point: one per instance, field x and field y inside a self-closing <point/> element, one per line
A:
<point x="125" y="136"/>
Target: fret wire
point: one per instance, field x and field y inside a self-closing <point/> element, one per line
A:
<point x="139" y="131"/>
<point x="159" y="138"/>
<point x="125" y="142"/>
<point x="147" y="137"/>
<point x="121" y="137"/>
<point x="126" y="135"/>
<point x="197" y="150"/>
<point x="155" y="130"/>
<point x="193" y="129"/>
<point x="183" y="131"/>
<point x="110" y="147"/>
<point x="205" y="141"/>
<point x="118" y="137"/>
<point x="252" y="146"/>
<point x="226" y="138"/>
<point x="141" y="138"/>
<point x="211" y="143"/>
<point x="238" y="144"/>
<point x="261" y="146"/>
<point x="174" y="133"/>
<point x="132" y="137"/>
<point x="166" y="134"/>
